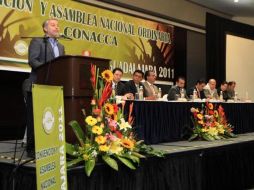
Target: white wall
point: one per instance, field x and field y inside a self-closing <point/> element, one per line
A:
<point x="246" y="20"/>
<point x="179" y="9"/>
<point x="240" y="64"/>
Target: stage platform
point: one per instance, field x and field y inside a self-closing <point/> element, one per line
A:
<point x="199" y="165"/>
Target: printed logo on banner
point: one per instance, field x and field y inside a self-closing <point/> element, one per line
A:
<point x="48" y="120"/>
<point x="21" y="47"/>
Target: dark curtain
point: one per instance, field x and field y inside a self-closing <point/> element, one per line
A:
<point x="216" y="30"/>
<point x="157" y="122"/>
<point x="180" y="62"/>
<point x="223" y="167"/>
<point x="12" y="120"/>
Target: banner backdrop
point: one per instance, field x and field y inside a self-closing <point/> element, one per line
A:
<point x="48" y="108"/>
<point x="130" y="42"/>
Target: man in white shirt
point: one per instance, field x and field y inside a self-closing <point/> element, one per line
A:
<point x="210" y="90"/>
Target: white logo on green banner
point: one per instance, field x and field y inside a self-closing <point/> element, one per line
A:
<point x="49" y="131"/>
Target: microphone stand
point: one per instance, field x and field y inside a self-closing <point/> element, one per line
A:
<point x="45" y="40"/>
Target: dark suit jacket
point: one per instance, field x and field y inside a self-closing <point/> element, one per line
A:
<point x="36" y="58"/>
<point x="120" y="90"/>
<point x="190" y="92"/>
<point x="173" y="91"/>
<point x="224" y="94"/>
<point x="130" y="87"/>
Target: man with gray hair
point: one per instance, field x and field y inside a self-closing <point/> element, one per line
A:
<point x="41" y="51"/>
<point x="210" y="90"/>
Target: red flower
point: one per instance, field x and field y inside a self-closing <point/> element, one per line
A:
<point x="220" y="109"/>
<point x="210" y="112"/>
<point x="93" y="75"/>
<point x="97" y="112"/>
<point x="119" y="134"/>
<point x="105" y="94"/>
<point x="115" y="108"/>
<point x="130" y="117"/>
<point x="213" y="124"/>
<point x="112" y="128"/>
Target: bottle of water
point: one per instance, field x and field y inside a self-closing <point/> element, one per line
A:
<point x="221" y="96"/>
<point x="235" y="97"/>
<point x="141" y="93"/>
<point x="159" y="93"/>
<point x="113" y="94"/>
<point x="246" y="95"/>
<point x="194" y="96"/>
<point x="182" y="93"/>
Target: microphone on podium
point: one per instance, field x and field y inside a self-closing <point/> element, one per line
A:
<point x="64" y="37"/>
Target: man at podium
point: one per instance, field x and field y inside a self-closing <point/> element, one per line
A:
<point x="45" y="49"/>
<point x="41" y="51"/>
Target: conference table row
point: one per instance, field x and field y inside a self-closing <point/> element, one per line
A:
<point x="161" y="121"/>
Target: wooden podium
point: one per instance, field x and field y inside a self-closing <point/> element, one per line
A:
<point x="73" y="73"/>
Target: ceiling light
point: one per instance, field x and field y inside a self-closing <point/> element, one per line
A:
<point x="236" y="1"/>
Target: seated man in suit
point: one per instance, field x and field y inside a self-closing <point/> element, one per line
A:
<point x="150" y="90"/>
<point x="223" y="90"/>
<point x="210" y="90"/>
<point x="133" y="86"/>
<point x="37" y="56"/>
<point x="231" y="89"/>
<point x="119" y="86"/>
<point x="200" y="84"/>
<point x="178" y="90"/>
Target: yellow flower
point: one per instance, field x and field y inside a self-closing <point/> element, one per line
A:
<point x="216" y="123"/>
<point x="97" y="130"/>
<point x="104" y="148"/>
<point x="127" y="143"/>
<point x="107" y="75"/>
<point x="91" y="120"/>
<point x="100" y="139"/>
<point x="216" y="114"/>
<point x="213" y="131"/>
<point x="220" y="129"/>
<point x="201" y="122"/>
<point x="204" y="130"/>
<point x="85" y="157"/>
<point x="115" y="147"/>
<point x="200" y="116"/>
<point x="109" y="109"/>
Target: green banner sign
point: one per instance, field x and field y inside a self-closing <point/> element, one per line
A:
<point x="128" y="41"/>
<point x="48" y="109"/>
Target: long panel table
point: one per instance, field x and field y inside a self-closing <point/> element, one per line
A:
<point x="159" y="121"/>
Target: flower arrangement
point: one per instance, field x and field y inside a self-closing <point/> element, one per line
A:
<point x="210" y="123"/>
<point x="107" y="137"/>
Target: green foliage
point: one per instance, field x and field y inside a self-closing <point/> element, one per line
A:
<point x="111" y="162"/>
<point x="126" y="162"/>
<point x="89" y="166"/>
<point x="78" y="132"/>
